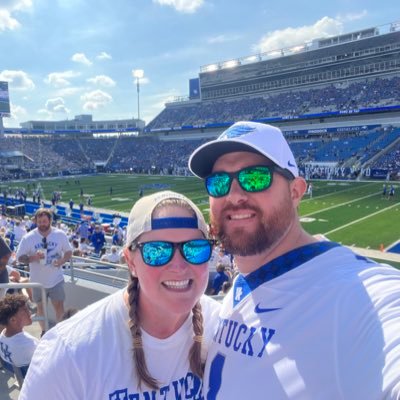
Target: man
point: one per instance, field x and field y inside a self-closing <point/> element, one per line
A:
<point x="46" y="250"/>
<point x="305" y="319"/>
<point x="16" y="346"/>
<point x="98" y="239"/>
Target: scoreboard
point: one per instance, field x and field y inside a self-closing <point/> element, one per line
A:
<point x="4" y="100"/>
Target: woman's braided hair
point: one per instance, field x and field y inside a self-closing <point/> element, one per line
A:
<point x="195" y="361"/>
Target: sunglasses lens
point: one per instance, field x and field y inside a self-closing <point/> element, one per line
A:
<point x="255" y="179"/>
<point x="218" y="184"/>
<point x="197" y="251"/>
<point x="157" y="254"/>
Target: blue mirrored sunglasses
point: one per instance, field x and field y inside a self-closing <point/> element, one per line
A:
<point x="158" y="253"/>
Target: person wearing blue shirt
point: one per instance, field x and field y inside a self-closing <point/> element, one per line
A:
<point x="219" y="279"/>
<point x="98" y="239"/>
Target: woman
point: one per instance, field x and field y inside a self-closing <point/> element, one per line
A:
<point x="149" y="340"/>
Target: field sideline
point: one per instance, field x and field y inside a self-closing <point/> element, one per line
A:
<point x="352" y="213"/>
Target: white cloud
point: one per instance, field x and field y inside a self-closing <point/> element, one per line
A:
<point x="95" y="99"/>
<point x="81" y="58"/>
<point x="18" y="114"/>
<point x="184" y="6"/>
<point x="7" y="7"/>
<point x="56" y="105"/>
<point x="68" y="91"/>
<point x="222" y="39"/>
<point x="18" y="80"/>
<point x="102" y="80"/>
<point x="60" y="79"/>
<point x="103" y="56"/>
<point x="7" y="21"/>
<point x="283" y="38"/>
<point x="353" y="16"/>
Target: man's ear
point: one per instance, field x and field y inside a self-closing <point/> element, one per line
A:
<point x="130" y="260"/>
<point x="298" y="187"/>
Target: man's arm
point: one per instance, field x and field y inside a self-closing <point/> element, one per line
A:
<point x="66" y="257"/>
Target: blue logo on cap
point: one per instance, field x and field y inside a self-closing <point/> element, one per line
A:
<point x="237" y="131"/>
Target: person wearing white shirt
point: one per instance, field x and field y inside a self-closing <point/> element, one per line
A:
<point x="16" y="346"/>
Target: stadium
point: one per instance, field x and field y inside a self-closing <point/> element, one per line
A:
<point x="337" y="101"/>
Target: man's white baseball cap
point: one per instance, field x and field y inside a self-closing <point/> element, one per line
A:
<point x="249" y="136"/>
<point x="140" y="217"/>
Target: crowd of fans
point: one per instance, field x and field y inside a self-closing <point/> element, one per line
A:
<point x="367" y="93"/>
<point x="154" y="156"/>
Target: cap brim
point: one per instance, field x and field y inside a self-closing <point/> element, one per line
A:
<point x="201" y="162"/>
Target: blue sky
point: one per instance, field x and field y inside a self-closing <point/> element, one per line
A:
<point x="68" y="57"/>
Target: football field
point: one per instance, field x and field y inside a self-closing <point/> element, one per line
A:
<point x="352" y="213"/>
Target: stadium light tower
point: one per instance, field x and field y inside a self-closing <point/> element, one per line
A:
<point x="138" y="74"/>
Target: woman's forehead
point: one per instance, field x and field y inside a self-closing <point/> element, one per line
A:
<point x="171" y="235"/>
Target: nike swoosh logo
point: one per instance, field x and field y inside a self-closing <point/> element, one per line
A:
<point x="290" y="164"/>
<point x="259" y="310"/>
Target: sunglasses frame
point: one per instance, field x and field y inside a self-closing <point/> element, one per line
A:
<point x="235" y="175"/>
<point x="174" y="245"/>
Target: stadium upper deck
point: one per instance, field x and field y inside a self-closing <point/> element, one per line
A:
<point x="348" y="74"/>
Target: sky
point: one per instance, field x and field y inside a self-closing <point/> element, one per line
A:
<point x="69" y="57"/>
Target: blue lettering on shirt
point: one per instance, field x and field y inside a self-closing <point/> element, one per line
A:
<point x="188" y="387"/>
<point x="248" y="340"/>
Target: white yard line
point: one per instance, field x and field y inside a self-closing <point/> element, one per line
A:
<point x="341" y="204"/>
<point x="361" y="219"/>
<point x="332" y="193"/>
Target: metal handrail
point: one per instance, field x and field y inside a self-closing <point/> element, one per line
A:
<point x="45" y="317"/>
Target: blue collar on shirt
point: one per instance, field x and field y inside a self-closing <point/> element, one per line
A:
<point x="244" y="285"/>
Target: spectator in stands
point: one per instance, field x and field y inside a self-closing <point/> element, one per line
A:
<point x="226" y="287"/>
<point x="84" y="247"/>
<point x="76" y="251"/>
<point x="219" y="279"/>
<point x="16" y="346"/>
<point x="112" y="256"/>
<point x="19" y="230"/>
<point x="5" y="254"/>
<point x="83" y="230"/>
<point x="98" y="239"/>
<point x="46" y="249"/>
<point x="304" y="310"/>
<point x="162" y="315"/>
<point x="116" y="237"/>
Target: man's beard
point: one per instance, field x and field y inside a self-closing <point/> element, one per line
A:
<point x="267" y="234"/>
<point x="43" y="229"/>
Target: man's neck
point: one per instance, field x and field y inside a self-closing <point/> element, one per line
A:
<point x="248" y="264"/>
<point x="46" y="233"/>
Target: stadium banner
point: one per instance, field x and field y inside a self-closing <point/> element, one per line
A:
<point x="376" y="173"/>
<point x="4" y="100"/>
<point x="319" y="131"/>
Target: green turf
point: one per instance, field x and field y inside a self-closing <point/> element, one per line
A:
<point x="353" y="213"/>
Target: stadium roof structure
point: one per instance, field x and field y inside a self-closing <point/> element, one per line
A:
<point x="9" y="154"/>
<point x="13" y="154"/>
<point x="315" y="44"/>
